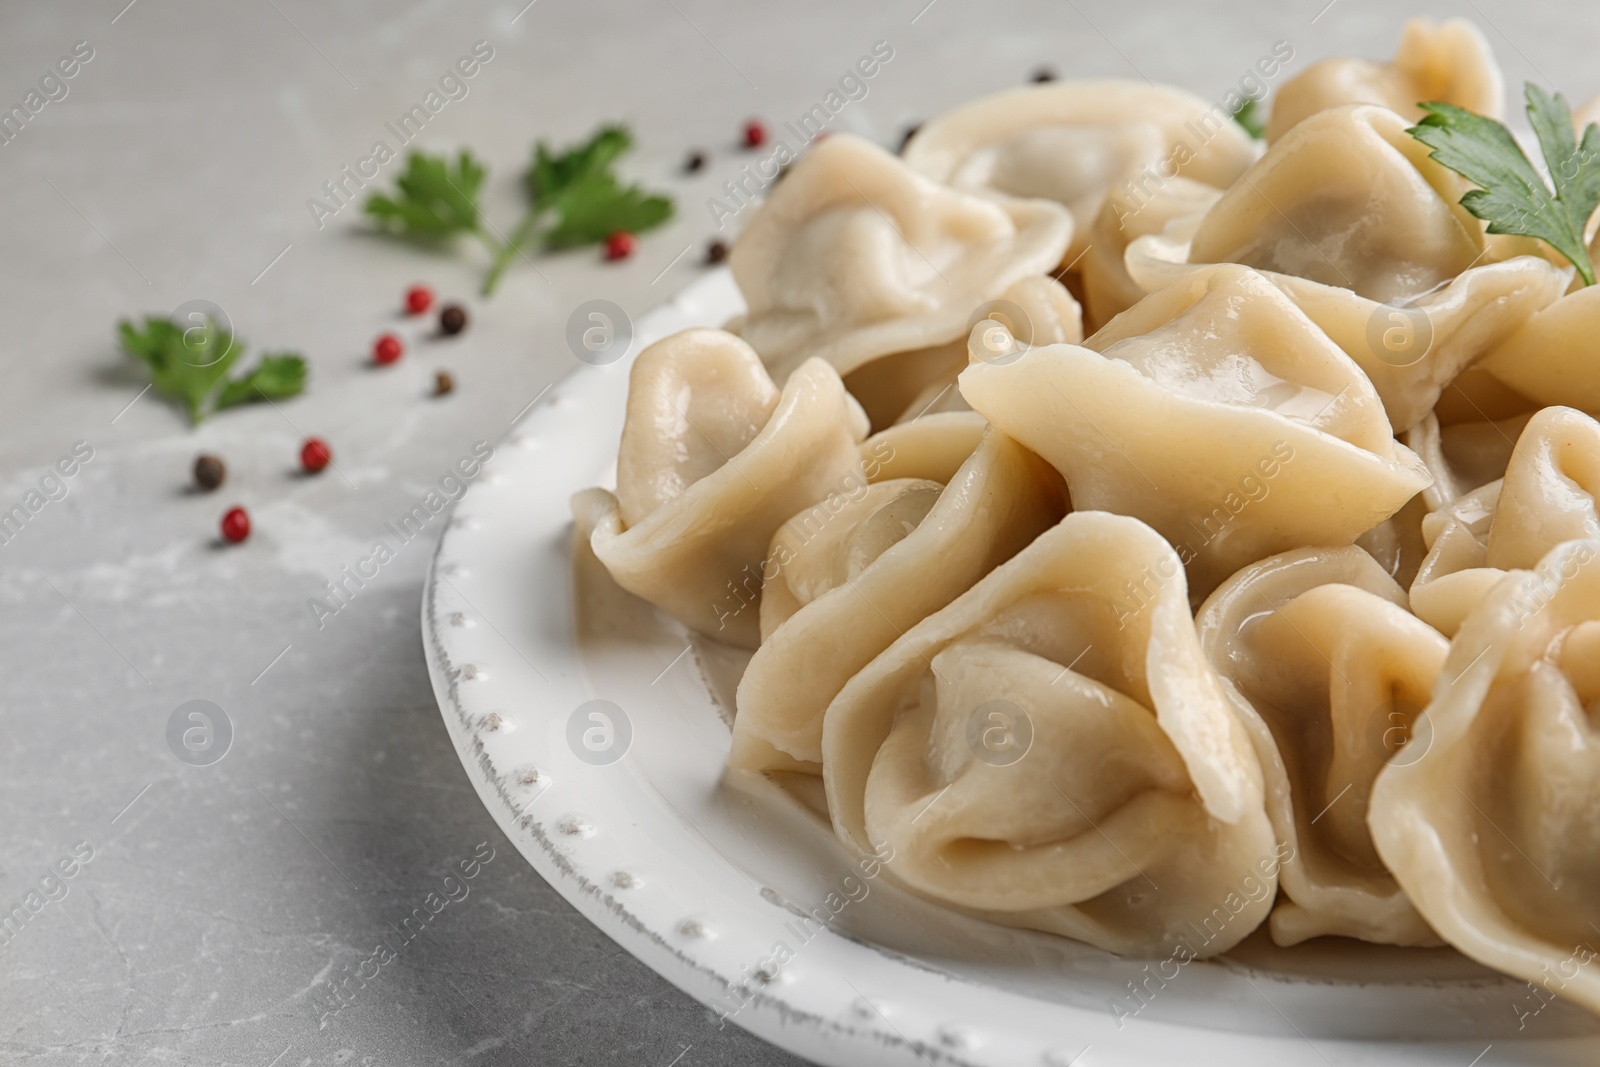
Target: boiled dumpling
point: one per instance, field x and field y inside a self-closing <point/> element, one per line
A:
<point x="1353" y="220"/>
<point x="1072" y="142"/>
<point x="1348" y="198"/>
<point x="1454" y="575"/>
<point x="1548" y="496"/>
<point x="714" y="458"/>
<point x="1127" y="215"/>
<point x="1329" y="670"/>
<point x="1478" y="396"/>
<point x="1449" y="62"/>
<point x="1494" y="834"/>
<point x="1464" y="456"/>
<point x="843" y="584"/>
<point x="1552" y="358"/>
<point x="905" y="385"/>
<point x="855" y="257"/>
<point x="1218" y="413"/>
<point x="1051" y="750"/>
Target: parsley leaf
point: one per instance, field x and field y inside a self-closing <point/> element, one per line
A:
<point x="435" y="199"/>
<point x="277" y="376"/>
<point x="598" y="208"/>
<point x="1514" y="197"/>
<point x="192" y="365"/>
<point x="552" y="174"/>
<point x="1247" y="116"/>
<point x="577" y="187"/>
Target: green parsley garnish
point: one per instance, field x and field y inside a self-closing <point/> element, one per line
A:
<point x="192" y="365"/>
<point x="1514" y="197"/>
<point x="577" y="190"/>
<point x="1248" y="116"/>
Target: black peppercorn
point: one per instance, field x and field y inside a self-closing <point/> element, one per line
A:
<point x="209" y="472"/>
<point x="452" y="319"/>
<point x="694" y="162"/>
<point x="716" y="252"/>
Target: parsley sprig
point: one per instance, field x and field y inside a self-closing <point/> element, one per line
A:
<point x="1514" y="197"/>
<point x="574" y="198"/>
<point x="1248" y="116"/>
<point x="193" y="365"/>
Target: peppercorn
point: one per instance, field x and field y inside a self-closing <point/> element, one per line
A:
<point x="452" y="319"/>
<point x="387" y="349"/>
<point x="620" y="245"/>
<point x="315" y="455"/>
<point x="694" y="162"/>
<point x="209" y="472"/>
<point x="419" y="298"/>
<point x="443" y="383"/>
<point x="236" y="525"/>
<point x="716" y="252"/>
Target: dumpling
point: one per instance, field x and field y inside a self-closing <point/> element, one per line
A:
<point x="1396" y="543"/>
<point x="1218" y="413"/>
<point x="714" y="458"/>
<point x="1548" y="496"/>
<point x="1413" y="351"/>
<point x="1448" y="61"/>
<point x="1126" y="215"/>
<point x="1329" y="671"/>
<point x="905" y="385"/>
<point x="855" y="257"/>
<point x="1051" y="750"/>
<point x="1464" y="456"/>
<point x="1353" y="220"/>
<point x="1347" y="198"/>
<point x="842" y="585"/>
<point x="1478" y="396"/>
<point x="1552" y="358"/>
<point x="1454" y="575"/>
<point x="1495" y="833"/>
<point x="1071" y="142"/>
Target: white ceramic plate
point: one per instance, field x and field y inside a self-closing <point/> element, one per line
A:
<point x="704" y="877"/>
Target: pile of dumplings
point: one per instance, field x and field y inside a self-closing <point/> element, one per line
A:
<point x="1272" y="600"/>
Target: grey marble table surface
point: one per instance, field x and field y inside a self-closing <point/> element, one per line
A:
<point x="209" y="908"/>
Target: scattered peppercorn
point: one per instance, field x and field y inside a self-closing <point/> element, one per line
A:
<point x="755" y="133"/>
<point x="236" y="525"/>
<point x="620" y="245"/>
<point x="419" y="298"/>
<point x="209" y="472"/>
<point x="387" y="349"/>
<point x="716" y="252"/>
<point x="905" y="138"/>
<point x="1044" y="74"/>
<point x="452" y="319"/>
<point x="443" y="383"/>
<point x="315" y="455"/>
<point x="694" y="162"/>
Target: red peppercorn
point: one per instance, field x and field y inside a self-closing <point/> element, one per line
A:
<point x="236" y="525"/>
<point x="315" y="455"/>
<point x="419" y="298"/>
<point x="755" y="133"/>
<point x="387" y="349"/>
<point x="620" y="245"/>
